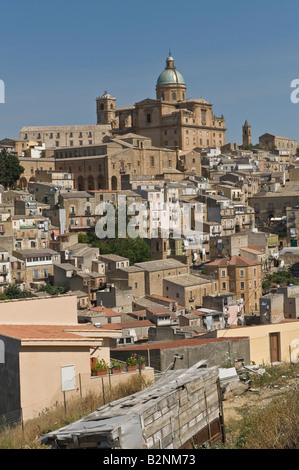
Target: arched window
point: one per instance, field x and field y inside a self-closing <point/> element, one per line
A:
<point x="101" y="106"/>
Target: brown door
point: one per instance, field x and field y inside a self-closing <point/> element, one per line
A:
<point x="275" y="347"/>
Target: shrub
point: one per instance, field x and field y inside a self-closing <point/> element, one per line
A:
<point x="132" y="360"/>
<point x="116" y="364"/>
<point x="100" y="365"/>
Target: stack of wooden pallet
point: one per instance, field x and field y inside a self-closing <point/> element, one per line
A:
<point x="180" y="410"/>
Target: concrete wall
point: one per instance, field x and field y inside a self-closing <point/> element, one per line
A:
<point x="216" y="354"/>
<point x="40" y="375"/>
<point x="260" y="340"/>
<point x="60" y="310"/>
<point x="118" y="299"/>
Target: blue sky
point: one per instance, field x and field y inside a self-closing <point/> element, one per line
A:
<point x="57" y="57"/>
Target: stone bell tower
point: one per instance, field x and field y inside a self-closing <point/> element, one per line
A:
<point x="246" y="134"/>
<point x="106" y="109"/>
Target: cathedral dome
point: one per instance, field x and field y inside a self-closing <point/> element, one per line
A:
<point x="170" y="75"/>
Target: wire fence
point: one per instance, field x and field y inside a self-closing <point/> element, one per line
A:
<point x="80" y="389"/>
<point x="11" y="419"/>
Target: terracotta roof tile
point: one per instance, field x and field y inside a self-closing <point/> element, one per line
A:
<point x="45" y="331"/>
<point x="182" y="343"/>
<point x="127" y="324"/>
<point x="234" y="261"/>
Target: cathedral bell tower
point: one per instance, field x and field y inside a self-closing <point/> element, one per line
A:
<point x="246" y="134"/>
<point x="106" y="109"/>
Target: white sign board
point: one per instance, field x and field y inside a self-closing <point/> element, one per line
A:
<point x="68" y="378"/>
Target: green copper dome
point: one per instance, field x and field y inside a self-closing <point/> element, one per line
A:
<point x="170" y="75"/>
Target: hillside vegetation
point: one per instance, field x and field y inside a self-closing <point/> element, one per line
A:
<point x="265" y="417"/>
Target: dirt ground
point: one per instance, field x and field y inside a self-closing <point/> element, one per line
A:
<point x="252" y="397"/>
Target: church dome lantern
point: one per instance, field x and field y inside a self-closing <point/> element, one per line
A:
<point x="171" y="85"/>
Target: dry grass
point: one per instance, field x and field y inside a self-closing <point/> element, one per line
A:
<point x="269" y="418"/>
<point x="27" y="437"/>
<point x="275" y="426"/>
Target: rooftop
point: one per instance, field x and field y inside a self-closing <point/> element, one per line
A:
<point x="49" y="332"/>
<point x="181" y="343"/>
<point x="187" y="280"/>
<point x="160" y="265"/>
<point x="112" y="257"/>
<point x="128" y="324"/>
<point x="234" y="261"/>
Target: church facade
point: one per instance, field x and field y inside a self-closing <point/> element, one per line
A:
<point x="171" y="120"/>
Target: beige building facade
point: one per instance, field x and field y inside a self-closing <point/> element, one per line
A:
<point x="270" y="343"/>
<point x="65" y="136"/>
<point x="269" y="141"/>
<point x="46" y="356"/>
<point x="240" y="276"/>
<point x="171" y="120"/>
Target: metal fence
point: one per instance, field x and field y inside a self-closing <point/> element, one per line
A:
<point x="10" y="419"/>
<point x="15" y="417"/>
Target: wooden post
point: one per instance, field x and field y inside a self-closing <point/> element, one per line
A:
<point x="64" y="400"/>
<point x="110" y="380"/>
<point x="207" y="411"/>
<point x="221" y="413"/>
<point x="103" y="390"/>
<point x="80" y="385"/>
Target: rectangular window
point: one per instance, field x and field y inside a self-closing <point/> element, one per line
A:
<point x="148" y="118"/>
<point x="242" y="285"/>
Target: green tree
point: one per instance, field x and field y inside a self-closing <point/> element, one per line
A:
<point x="13" y="292"/>
<point x="136" y="250"/>
<point x="10" y="169"/>
<point x="52" y="290"/>
<point x="282" y="278"/>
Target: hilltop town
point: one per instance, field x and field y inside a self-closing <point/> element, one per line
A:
<point x="145" y="240"/>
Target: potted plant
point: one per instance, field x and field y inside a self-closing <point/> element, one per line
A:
<point x="116" y="367"/>
<point x="100" y="367"/>
<point x="132" y="363"/>
<point x="142" y="361"/>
